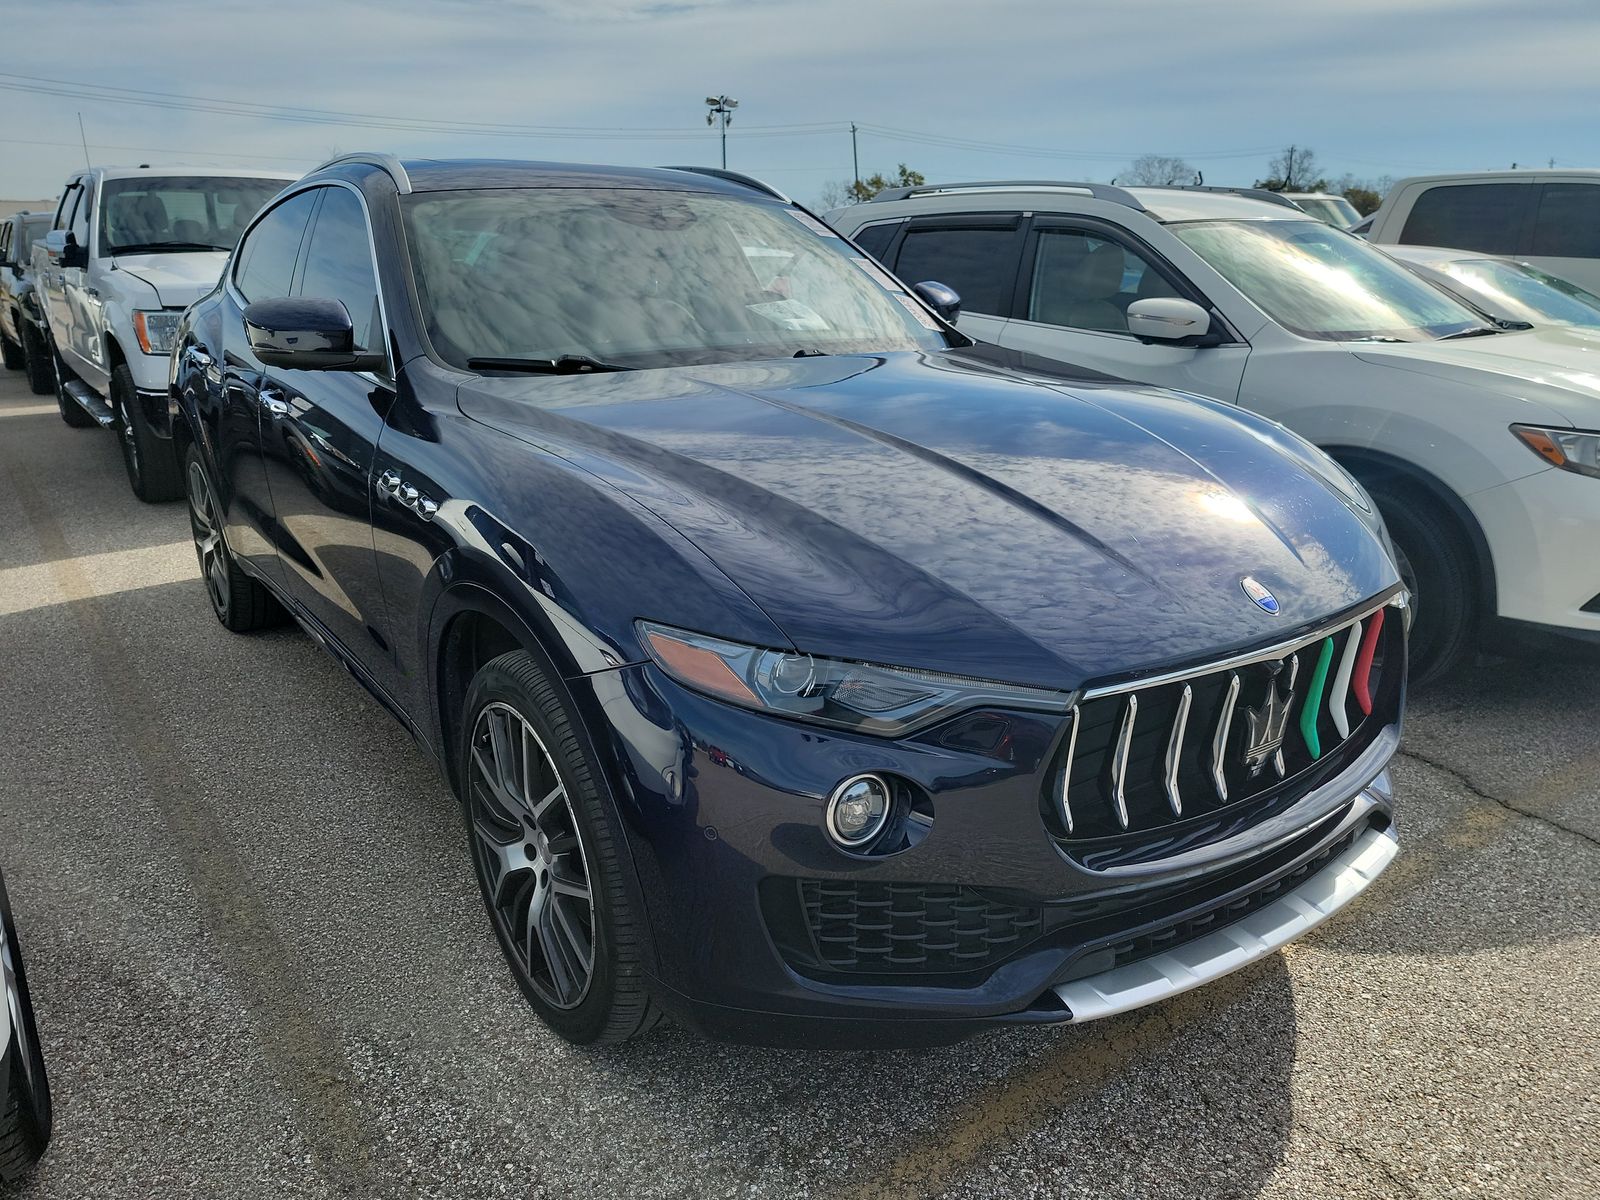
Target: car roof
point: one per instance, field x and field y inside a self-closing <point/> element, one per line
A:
<point x="1309" y="196"/>
<point x="1527" y="173"/>
<point x="460" y="174"/>
<point x="181" y="172"/>
<point x="1164" y="204"/>
<point x="1427" y="255"/>
<point x="1183" y="204"/>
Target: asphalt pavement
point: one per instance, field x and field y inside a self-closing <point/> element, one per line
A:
<point x="261" y="968"/>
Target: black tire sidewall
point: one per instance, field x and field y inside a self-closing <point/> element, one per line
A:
<point x="520" y="681"/>
<point x="39" y="1115"/>
<point x="41" y="371"/>
<point x="1445" y="595"/>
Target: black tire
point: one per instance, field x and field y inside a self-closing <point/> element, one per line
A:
<point x="11" y="354"/>
<point x="240" y="601"/>
<point x="1436" y="564"/>
<point x="71" y="411"/>
<point x="615" y="1003"/>
<point x="25" y="1114"/>
<point x="41" y="370"/>
<point x="154" y="470"/>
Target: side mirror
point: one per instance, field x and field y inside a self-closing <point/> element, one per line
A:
<point x="72" y="254"/>
<point x="1167" y="319"/>
<point x="943" y="300"/>
<point x="304" y="334"/>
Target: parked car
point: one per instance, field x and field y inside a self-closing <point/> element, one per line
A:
<point x="25" y="1115"/>
<point x="22" y="335"/>
<point x="1550" y="219"/>
<point x="1475" y="442"/>
<point x="1326" y="207"/>
<point x="802" y="675"/>
<point x="127" y="251"/>
<point x="1515" y="294"/>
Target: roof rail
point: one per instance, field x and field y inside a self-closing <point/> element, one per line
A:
<point x="749" y="181"/>
<point x="1251" y="193"/>
<point x="1100" y="191"/>
<point x="387" y="162"/>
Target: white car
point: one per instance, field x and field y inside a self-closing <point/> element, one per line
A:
<point x="1326" y="207"/>
<point x="24" y="1090"/>
<point x="1548" y="218"/>
<point x="1512" y="292"/>
<point x="129" y="248"/>
<point x="1480" y="446"/>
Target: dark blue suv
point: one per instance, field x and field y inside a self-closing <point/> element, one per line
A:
<point x="806" y="672"/>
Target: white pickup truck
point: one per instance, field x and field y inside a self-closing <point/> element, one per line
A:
<point x="128" y="250"/>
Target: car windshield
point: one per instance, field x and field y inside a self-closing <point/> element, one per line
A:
<point x="1320" y="282"/>
<point x="643" y="278"/>
<point x="1331" y="210"/>
<point x="1515" y="291"/>
<point x="154" y="214"/>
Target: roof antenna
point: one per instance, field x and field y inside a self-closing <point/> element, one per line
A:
<point x="85" y="142"/>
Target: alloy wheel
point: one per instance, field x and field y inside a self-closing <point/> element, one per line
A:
<point x="531" y="854"/>
<point x="130" y="445"/>
<point x="208" y="545"/>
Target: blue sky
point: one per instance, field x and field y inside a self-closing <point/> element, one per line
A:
<point x="1007" y="89"/>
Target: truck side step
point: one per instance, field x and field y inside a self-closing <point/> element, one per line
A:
<point x="89" y="400"/>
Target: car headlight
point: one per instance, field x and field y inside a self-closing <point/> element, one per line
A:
<point x="889" y="701"/>
<point x="1569" y="449"/>
<point x="155" y="328"/>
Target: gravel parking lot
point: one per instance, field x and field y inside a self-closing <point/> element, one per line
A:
<point x="261" y="968"/>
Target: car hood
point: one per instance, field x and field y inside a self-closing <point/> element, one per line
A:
<point x="1555" y="367"/>
<point x="936" y="512"/>
<point x="178" y="278"/>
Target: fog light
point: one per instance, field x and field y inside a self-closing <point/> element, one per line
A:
<point x="858" y="810"/>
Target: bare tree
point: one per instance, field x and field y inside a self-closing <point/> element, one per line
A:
<point x="1156" y="170"/>
<point x="1295" y="170"/>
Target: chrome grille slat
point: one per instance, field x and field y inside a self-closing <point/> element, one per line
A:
<point x="1294" y="674"/>
<point x="1175" y="749"/>
<point x="1119" y="760"/>
<point x="1219" y="740"/>
<point x="1066" y="772"/>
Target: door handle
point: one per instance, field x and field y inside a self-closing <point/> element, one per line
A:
<point x="274" y="403"/>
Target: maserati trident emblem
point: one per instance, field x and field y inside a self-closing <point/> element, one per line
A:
<point x="1265" y="726"/>
<point x="1264" y="599"/>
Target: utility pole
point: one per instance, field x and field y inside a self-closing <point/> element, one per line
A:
<point x="721" y="113"/>
<point x="82" y="137"/>
<point x="855" y="160"/>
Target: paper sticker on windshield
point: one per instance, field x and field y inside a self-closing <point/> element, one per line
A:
<point x="916" y="310"/>
<point x="811" y="222"/>
<point x="791" y="314"/>
<point x="885" y="280"/>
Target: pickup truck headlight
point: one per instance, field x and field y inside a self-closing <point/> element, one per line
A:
<point x="889" y="701"/>
<point x="1569" y="449"/>
<point x="155" y="327"/>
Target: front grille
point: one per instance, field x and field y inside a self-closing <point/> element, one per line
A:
<point x="1140" y="764"/>
<point x="904" y="927"/>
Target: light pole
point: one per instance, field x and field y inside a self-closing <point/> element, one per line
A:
<point x="721" y="113"/>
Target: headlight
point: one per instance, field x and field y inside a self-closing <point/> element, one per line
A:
<point x="155" y="328"/>
<point x="848" y="695"/>
<point x="1569" y="449"/>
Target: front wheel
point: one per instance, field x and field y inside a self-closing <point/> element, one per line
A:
<point x="41" y="370"/>
<point x="1435" y="565"/>
<point x="240" y="601"/>
<point x="25" y="1105"/>
<point x="154" y="472"/>
<point x="548" y="859"/>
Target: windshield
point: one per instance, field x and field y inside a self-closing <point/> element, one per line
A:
<point x="1516" y="291"/>
<point x="1322" y="283"/>
<point x="1331" y="210"/>
<point x="645" y="279"/>
<point x="171" y="213"/>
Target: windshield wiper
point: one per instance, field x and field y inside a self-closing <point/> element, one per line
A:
<point x="1483" y="331"/>
<point x="142" y="246"/>
<point x="562" y="364"/>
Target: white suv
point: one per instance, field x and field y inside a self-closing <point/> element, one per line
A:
<point x="128" y="250"/>
<point x="1480" y="446"/>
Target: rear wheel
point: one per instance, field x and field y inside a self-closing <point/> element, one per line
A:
<point x="25" y="1115"/>
<point x="41" y="371"/>
<point x="241" y="602"/>
<point x="1436" y="564"/>
<point x="154" y="470"/>
<point x="548" y="859"/>
<point x="71" y="411"/>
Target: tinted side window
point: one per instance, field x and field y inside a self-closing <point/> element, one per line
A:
<point x="1082" y="281"/>
<point x="339" y="263"/>
<point x="80" y="217"/>
<point x="64" y="209"/>
<point x="979" y="263"/>
<point x="875" y="239"/>
<point x="1475" y="216"/>
<point x="1568" y="224"/>
<point x="265" y="262"/>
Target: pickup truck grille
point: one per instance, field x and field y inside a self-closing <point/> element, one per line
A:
<point x="1143" y="762"/>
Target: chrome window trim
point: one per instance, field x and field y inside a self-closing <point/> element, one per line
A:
<point x="1243" y="659"/>
<point x="283" y="197"/>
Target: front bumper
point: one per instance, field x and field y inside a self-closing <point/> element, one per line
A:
<point x="1541" y="532"/>
<point x="724" y="808"/>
